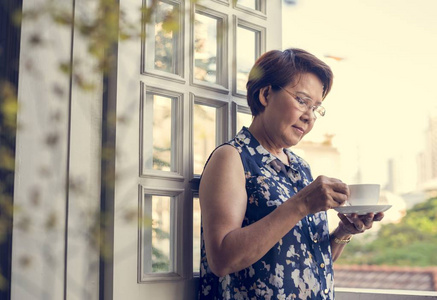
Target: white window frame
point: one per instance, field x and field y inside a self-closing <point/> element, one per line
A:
<point x="176" y="142"/>
<point x="222" y="85"/>
<point x="148" y="47"/>
<point x="222" y="119"/>
<point x="175" y="235"/>
<point x="260" y="47"/>
<point x="261" y="12"/>
<point x="238" y="108"/>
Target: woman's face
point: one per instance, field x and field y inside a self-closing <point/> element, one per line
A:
<point x="285" y="123"/>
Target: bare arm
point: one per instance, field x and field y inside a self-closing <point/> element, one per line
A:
<point x="223" y="201"/>
<point x="350" y="226"/>
<point x="336" y="247"/>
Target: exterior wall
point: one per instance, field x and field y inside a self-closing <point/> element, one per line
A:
<point x="57" y="177"/>
<point x="83" y="245"/>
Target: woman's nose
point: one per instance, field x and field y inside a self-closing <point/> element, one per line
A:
<point x="308" y="116"/>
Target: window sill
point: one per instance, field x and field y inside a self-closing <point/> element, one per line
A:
<point x="369" y="294"/>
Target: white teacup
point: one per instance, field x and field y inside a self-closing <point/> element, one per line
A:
<point x="363" y="194"/>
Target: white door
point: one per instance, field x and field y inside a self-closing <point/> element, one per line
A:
<point x="180" y="92"/>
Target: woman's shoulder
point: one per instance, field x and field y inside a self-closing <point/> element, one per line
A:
<point x="225" y="152"/>
<point x="224" y="162"/>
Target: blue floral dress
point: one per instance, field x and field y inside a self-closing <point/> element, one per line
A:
<point x="299" y="266"/>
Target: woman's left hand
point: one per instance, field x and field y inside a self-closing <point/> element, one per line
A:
<point x="349" y="225"/>
<point x="354" y="224"/>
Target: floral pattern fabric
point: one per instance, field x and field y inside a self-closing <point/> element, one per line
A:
<point x="299" y="266"/>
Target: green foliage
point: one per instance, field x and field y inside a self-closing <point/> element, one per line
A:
<point x="160" y="260"/>
<point x="411" y="242"/>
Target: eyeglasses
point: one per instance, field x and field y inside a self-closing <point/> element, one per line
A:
<point x="305" y="104"/>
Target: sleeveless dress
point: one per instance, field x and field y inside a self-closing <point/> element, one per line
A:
<point x="299" y="266"/>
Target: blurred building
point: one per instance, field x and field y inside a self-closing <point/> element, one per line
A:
<point x="402" y="168"/>
<point x="323" y="157"/>
<point x="386" y="277"/>
<point x="427" y="160"/>
<point x="402" y="174"/>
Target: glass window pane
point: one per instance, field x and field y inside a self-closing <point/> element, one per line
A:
<point x="253" y="4"/>
<point x="196" y="234"/>
<point x="204" y="131"/>
<point x="159" y="115"/>
<point x="246" y="55"/>
<point x="157" y="233"/>
<point x="205" y="48"/>
<point x="243" y="119"/>
<point x="166" y="40"/>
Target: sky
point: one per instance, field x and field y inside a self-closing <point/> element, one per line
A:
<point x="384" y="86"/>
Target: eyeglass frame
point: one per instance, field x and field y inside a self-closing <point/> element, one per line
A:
<point x="306" y="100"/>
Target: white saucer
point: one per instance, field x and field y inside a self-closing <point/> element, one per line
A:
<point x="362" y="209"/>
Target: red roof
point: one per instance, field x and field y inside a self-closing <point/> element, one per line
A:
<point x="386" y="277"/>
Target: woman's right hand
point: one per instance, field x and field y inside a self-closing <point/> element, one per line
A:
<point x="323" y="193"/>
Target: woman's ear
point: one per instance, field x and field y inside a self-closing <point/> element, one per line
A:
<point x="264" y="94"/>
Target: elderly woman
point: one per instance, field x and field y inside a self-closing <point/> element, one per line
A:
<point x="264" y="222"/>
